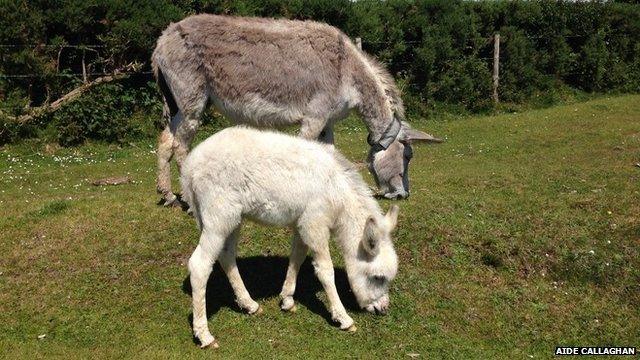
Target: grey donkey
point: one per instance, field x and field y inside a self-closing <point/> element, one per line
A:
<point x="272" y="73"/>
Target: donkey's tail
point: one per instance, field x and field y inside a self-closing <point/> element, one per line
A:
<point x="165" y="90"/>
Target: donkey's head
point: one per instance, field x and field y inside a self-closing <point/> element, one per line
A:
<point x="376" y="263"/>
<point x="390" y="166"/>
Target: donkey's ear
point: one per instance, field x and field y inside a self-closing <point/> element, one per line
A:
<point x="392" y="216"/>
<point x="370" y="241"/>
<point x="411" y="135"/>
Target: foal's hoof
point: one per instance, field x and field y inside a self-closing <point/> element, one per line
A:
<point x="293" y="308"/>
<point x="257" y="312"/>
<point x="351" y="328"/>
<point x="287" y="304"/>
<point x="211" y="345"/>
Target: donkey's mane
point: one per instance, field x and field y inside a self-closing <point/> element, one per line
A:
<point x="388" y="84"/>
<point x="356" y="182"/>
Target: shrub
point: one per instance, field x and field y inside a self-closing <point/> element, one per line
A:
<point x="441" y="49"/>
<point x="105" y="113"/>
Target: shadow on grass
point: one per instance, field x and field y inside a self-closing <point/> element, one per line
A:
<point x="263" y="276"/>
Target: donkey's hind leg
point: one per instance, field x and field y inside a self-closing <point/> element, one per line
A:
<point x="230" y="267"/>
<point x="298" y="254"/>
<point x="186" y="130"/>
<point x="165" y="153"/>
<point x="326" y="135"/>
<point x="311" y="128"/>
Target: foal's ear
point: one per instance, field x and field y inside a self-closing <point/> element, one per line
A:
<point x="392" y="216"/>
<point x="410" y="135"/>
<point x="370" y="241"/>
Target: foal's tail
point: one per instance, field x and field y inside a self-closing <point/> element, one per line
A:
<point x="189" y="196"/>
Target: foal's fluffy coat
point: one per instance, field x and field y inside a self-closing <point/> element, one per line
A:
<point x="281" y="180"/>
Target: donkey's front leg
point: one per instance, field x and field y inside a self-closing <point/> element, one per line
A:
<point x="318" y="242"/>
<point x="298" y="254"/>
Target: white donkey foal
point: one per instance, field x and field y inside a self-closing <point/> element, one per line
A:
<point x="281" y="180"/>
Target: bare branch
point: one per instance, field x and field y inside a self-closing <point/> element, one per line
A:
<point x="72" y="95"/>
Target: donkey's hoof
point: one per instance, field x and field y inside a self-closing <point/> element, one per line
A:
<point x="351" y="328"/>
<point x="170" y="201"/>
<point x="256" y="312"/>
<point x="211" y="345"/>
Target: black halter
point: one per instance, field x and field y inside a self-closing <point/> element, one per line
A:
<point x="387" y="137"/>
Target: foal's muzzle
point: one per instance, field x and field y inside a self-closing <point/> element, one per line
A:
<point x="380" y="306"/>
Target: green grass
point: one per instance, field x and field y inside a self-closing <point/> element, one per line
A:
<point x="522" y="233"/>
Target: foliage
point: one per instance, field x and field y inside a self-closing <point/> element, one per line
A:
<point x="441" y="49"/>
<point x="105" y="114"/>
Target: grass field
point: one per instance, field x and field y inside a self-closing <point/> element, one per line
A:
<point x="522" y="233"/>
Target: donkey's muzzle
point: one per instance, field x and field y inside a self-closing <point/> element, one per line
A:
<point x="397" y="195"/>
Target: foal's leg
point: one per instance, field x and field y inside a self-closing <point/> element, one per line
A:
<point x="200" y="266"/>
<point x="228" y="262"/>
<point x="298" y="254"/>
<point x="317" y="238"/>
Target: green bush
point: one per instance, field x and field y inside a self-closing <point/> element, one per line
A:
<point x="466" y="82"/>
<point x="105" y="114"/>
<point x="441" y="51"/>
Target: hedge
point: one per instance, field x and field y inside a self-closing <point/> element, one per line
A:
<point x="439" y="50"/>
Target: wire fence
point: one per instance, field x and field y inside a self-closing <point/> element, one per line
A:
<point x="103" y="46"/>
<point x="81" y="46"/>
<point x="365" y="44"/>
<point x="408" y="59"/>
<point x="72" y="75"/>
<point x="99" y="60"/>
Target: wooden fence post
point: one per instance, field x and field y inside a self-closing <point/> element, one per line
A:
<point x="359" y="43"/>
<point x="496" y="66"/>
<point x="84" y="68"/>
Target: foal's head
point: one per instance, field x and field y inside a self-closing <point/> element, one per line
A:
<point x="376" y="264"/>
